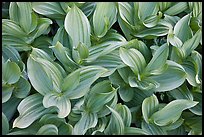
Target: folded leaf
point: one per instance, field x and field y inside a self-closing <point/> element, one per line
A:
<point x="104" y="17"/>
<point x="76" y="19"/>
<point x="171" y="112"/>
<point x="49" y="9"/>
<point x="149" y="106"/>
<point x="5" y="125"/>
<point x="182" y="29"/>
<point x="60" y="101"/>
<point x="30" y="109"/>
<point x="22" y="88"/>
<point x="87" y="121"/>
<point x="134" y="59"/>
<point x="177" y="8"/>
<point x="48" y="129"/>
<point x="6" y="93"/>
<point x="116" y="125"/>
<point x="173" y="77"/>
<point x="10" y="72"/>
<point x="159" y="59"/>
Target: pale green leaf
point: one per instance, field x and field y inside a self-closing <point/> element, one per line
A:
<point x="6" y="93"/>
<point x="177" y="8"/>
<point x="87" y="121"/>
<point x="10" y="72"/>
<point x="171" y="112"/>
<point x="149" y="106"/>
<point x="76" y="19"/>
<point x="48" y="129"/>
<point x="134" y="131"/>
<point x="104" y="17"/>
<point x="30" y="109"/>
<point x="62" y="103"/>
<point x="5" y="125"/>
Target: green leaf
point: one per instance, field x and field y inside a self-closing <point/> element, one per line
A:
<point x="5" y="125"/>
<point x="62" y="103"/>
<point x="12" y="104"/>
<point x="71" y="81"/>
<point x="80" y="23"/>
<point x="174" y="125"/>
<point x="150" y="33"/>
<point x="48" y="129"/>
<point x="159" y="60"/>
<point x="192" y="43"/>
<point x="82" y="50"/>
<point x="14" y="12"/>
<point x="177" y="8"/>
<point x="104" y="17"/>
<point x="134" y="131"/>
<point x="6" y="93"/>
<point x="198" y="108"/>
<point x="153" y="129"/>
<point x="61" y="36"/>
<point x="25" y="16"/>
<point x="87" y="121"/>
<point x="182" y="29"/>
<point x="11" y="53"/>
<point x="146" y="9"/>
<point x="63" y="55"/>
<point x="149" y="106"/>
<point x="125" y="114"/>
<point x="181" y="92"/>
<point x="50" y="77"/>
<point x="171" y="112"/>
<point x="100" y="94"/>
<point x="173" y="77"/>
<point x="126" y="93"/>
<point x="12" y="28"/>
<point x="10" y="72"/>
<point x="22" y="88"/>
<point x="115" y="125"/>
<point x="88" y="75"/>
<point x="134" y="59"/>
<point x="49" y="9"/>
<point x="30" y="109"/>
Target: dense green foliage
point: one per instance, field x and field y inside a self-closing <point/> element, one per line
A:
<point x="96" y="68"/>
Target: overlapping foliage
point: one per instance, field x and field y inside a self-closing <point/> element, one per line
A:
<point x="96" y="68"/>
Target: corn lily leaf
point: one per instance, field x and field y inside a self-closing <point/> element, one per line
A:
<point x="14" y="12"/>
<point x="104" y="17"/>
<point x="48" y="129"/>
<point x="153" y="129"/>
<point x="5" y="124"/>
<point x="9" y="52"/>
<point x="125" y="114"/>
<point x="171" y="112"/>
<point x="182" y="29"/>
<point x="79" y="21"/>
<point x="33" y="105"/>
<point x="6" y="93"/>
<point x="159" y="60"/>
<point x="88" y="8"/>
<point x="192" y="43"/>
<point x="22" y="88"/>
<point x="100" y="127"/>
<point x="149" y="106"/>
<point x="49" y="9"/>
<point x="164" y="5"/>
<point x="134" y="59"/>
<point x="49" y="78"/>
<point x="173" y="77"/>
<point x="176" y="8"/>
<point x="87" y="121"/>
<point x="25" y="17"/>
<point x="134" y="131"/>
<point x="62" y="103"/>
<point x="116" y="125"/>
<point x="88" y="75"/>
<point x="10" y="72"/>
<point x="97" y="99"/>
<point x="198" y="108"/>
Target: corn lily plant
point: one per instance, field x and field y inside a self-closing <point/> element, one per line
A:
<point x="97" y="68"/>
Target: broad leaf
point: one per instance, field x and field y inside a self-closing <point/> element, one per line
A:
<point x="48" y="129"/>
<point x="30" y="109"/>
<point x="62" y="103"/>
<point x="6" y="93"/>
<point x="149" y="106"/>
<point x="171" y="112"/>
<point x="87" y="121"/>
<point x="5" y="125"/>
